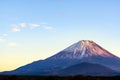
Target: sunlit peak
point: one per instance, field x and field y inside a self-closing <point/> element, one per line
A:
<point x="86" y="42"/>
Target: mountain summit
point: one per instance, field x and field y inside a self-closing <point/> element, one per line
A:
<point x="82" y="49"/>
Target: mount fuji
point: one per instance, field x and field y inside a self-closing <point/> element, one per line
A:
<point x="83" y="51"/>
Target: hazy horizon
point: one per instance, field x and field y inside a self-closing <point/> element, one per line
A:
<point x="37" y="29"/>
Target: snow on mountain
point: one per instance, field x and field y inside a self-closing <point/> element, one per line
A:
<point x="88" y="51"/>
<point x="81" y="49"/>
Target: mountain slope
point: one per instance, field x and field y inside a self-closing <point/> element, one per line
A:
<point x="89" y="51"/>
<point x="82" y="51"/>
<point x="87" y="69"/>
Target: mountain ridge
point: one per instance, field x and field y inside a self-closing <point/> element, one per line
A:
<point x="82" y="49"/>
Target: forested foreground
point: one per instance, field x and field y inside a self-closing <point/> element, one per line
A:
<point x="57" y="78"/>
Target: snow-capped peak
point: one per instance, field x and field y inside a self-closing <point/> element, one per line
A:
<point x="78" y="46"/>
<point x="81" y="49"/>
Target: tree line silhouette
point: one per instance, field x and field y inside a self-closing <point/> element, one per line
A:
<point x="79" y="77"/>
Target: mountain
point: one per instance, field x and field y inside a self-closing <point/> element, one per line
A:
<point x="89" y="51"/>
<point x="82" y="51"/>
<point x="87" y="69"/>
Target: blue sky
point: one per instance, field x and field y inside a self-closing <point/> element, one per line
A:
<point x="36" y="29"/>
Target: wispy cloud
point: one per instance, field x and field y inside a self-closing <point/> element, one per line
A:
<point x="15" y="28"/>
<point x="18" y="27"/>
<point x="23" y="25"/>
<point x="32" y="26"/>
<point x="12" y="44"/>
<point x="5" y="34"/>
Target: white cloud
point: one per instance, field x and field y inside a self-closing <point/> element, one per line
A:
<point x="23" y="25"/>
<point x="5" y="35"/>
<point x="2" y="36"/>
<point x="18" y="27"/>
<point x="15" y="28"/>
<point x="12" y="44"/>
<point x="32" y="26"/>
<point x="48" y="27"/>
